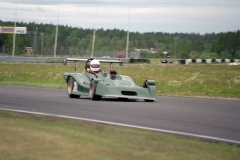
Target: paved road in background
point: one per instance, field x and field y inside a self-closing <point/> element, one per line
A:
<point x="218" y="119"/>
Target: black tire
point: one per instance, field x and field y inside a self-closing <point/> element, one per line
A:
<point x="122" y="99"/>
<point x="92" y="90"/>
<point x="70" y="86"/>
<point x="146" y="85"/>
<point x="148" y="100"/>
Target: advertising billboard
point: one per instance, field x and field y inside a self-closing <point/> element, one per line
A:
<point x="10" y="30"/>
<point x="7" y="29"/>
<point x="21" y="30"/>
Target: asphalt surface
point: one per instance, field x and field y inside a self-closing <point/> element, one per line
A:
<point x="219" y="119"/>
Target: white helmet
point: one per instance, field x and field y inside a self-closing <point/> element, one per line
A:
<point x="95" y="65"/>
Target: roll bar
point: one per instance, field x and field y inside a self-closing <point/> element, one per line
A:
<point x="75" y="60"/>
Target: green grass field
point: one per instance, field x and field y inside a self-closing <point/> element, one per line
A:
<point x="181" y="80"/>
<point x="26" y="136"/>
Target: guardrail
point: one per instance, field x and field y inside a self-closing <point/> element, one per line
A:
<point x="30" y="59"/>
<point x="17" y="59"/>
<point x="188" y="61"/>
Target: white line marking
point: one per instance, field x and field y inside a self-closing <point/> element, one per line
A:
<point x="132" y="126"/>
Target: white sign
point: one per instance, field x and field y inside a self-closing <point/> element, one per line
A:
<point x="0" y="29"/>
<point x="21" y="30"/>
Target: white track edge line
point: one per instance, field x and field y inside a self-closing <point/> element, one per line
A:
<point x="131" y="126"/>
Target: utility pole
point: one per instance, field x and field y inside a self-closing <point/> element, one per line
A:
<point x="94" y="33"/>
<point x="93" y="43"/>
<point x="127" y="43"/>
<point x="14" y="30"/>
<point x="56" y="34"/>
<point x="14" y="40"/>
<point x="42" y="43"/>
<point x="35" y="41"/>
<point x="175" y="50"/>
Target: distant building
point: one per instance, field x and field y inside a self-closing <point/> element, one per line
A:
<point x="134" y="54"/>
<point x="151" y="50"/>
<point x="192" y="53"/>
<point x="154" y="50"/>
<point x="167" y="54"/>
<point x="120" y="54"/>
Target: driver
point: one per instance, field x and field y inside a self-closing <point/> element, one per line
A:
<point x="95" y="66"/>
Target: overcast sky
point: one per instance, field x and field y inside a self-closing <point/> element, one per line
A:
<point x="186" y="16"/>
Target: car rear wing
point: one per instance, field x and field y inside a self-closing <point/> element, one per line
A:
<point x="75" y="60"/>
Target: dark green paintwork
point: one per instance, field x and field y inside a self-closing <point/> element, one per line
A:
<point x="121" y="86"/>
<point x="108" y="87"/>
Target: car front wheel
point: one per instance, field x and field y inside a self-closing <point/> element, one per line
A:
<point x="70" y="86"/>
<point x="92" y="90"/>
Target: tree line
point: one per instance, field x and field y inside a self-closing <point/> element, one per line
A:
<point x="76" y="41"/>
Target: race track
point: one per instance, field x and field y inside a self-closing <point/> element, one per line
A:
<point x="210" y="119"/>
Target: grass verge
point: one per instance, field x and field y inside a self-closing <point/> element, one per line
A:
<point x="185" y="80"/>
<point x="28" y="136"/>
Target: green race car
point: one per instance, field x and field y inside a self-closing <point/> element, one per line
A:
<point x="98" y="85"/>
